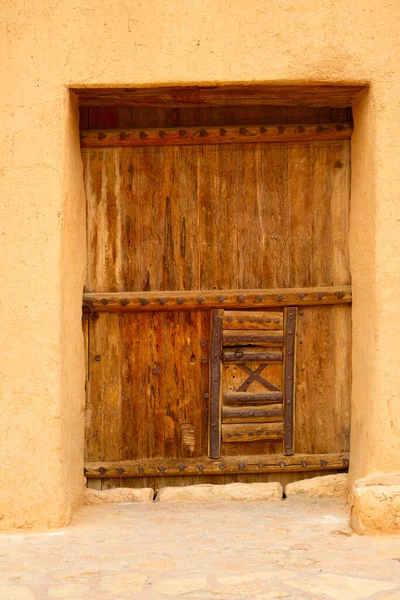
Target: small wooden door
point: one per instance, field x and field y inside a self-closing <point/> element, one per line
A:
<point x="217" y="303"/>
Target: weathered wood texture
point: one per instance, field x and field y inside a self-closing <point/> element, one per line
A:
<point x="215" y="383"/>
<point x="248" y="134"/>
<point x="252" y="432"/>
<point x="148" y="386"/>
<point x="174" y="218"/>
<point x="323" y="379"/>
<point x="227" y="299"/>
<point x="128" y="117"/>
<point x="166" y="467"/>
<point x="176" y="231"/>
<point x="223" y="95"/>
<point x="288" y="376"/>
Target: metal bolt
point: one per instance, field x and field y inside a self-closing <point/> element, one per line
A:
<point x="97" y="358"/>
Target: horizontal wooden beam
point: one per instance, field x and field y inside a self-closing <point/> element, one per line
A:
<point x="271" y="463"/>
<point x="241" y="357"/>
<point x="252" y="432"/>
<point x="224" y="95"/>
<point x="240" y="319"/>
<point x="183" y="300"/>
<point x="234" y="337"/>
<point x="214" y="135"/>
<point x="243" y="398"/>
<point x="252" y="414"/>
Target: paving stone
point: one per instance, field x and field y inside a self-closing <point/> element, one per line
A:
<point x="178" y="587"/>
<point x="326" y="486"/>
<point x="116" y="495"/>
<point x="15" y="592"/>
<point x="124" y="583"/>
<point x="341" y="587"/>
<point x="219" y="551"/>
<point x="68" y="590"/>
<point x="238" y="492"/>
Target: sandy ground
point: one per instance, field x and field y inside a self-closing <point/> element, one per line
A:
<point x="291" y="549"/>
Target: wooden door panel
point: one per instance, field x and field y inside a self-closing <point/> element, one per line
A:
<point x="213" y="222"/>
<point x="323" y="380"/>
<point x="218" y="217"/>
<point x="148" y="386"/>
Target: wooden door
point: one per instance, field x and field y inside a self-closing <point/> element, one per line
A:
<point x="218" y="296"/>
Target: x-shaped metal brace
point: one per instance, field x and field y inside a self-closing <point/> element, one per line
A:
<point x="255" y="376"/>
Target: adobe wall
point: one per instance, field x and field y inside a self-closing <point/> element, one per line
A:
<point x="48" y="46"/>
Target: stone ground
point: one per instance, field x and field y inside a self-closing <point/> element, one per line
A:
<point x="295" y="549"/>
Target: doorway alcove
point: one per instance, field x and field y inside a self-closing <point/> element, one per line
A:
<point x="217" y="308"/>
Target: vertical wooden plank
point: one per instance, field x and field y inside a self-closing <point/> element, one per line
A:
<point x="323" y="379"/>
<point x="301" y="211"/>
<point x="339" y="172"/>
<point x="152" y="374"/>
<point x="124" y="117"/>
<point x="93" y="167"/>
<point x="133" y="408"/>
<point x="215" y="383"/>
<point x="272" y="197"/>
<point x="156" y="236"/>
<point x="206" y="192"/>
<point x="250" y="220"/>
<point x="289" y="350"/>
<point x="110" y="119"/>
<point x="187" y="221"/>
<point x="83" y="117"/>
<point x="103" y="408"/>
<point x="129" y="176"/>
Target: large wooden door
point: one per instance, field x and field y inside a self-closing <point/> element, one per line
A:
<point x="218" y="296"/>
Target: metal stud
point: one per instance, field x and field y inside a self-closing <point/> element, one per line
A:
<point x="143" y="135"/>
<point x="304" y="463"/>
<point x="120" y="470"/>
<point x="104" y="301"/>
<point x="144" y="301"/>
<point x="221" y="466"/>
<point x="125" y="301"/>
<point x="102" y="470"/>
<point x="140" y="469"/>
<point x="323" y="462"/>
<point x="181" y="467"/>
<point x="201" y="300"/>
<point x="241" y="298"/>
<point x="162" y="134"/>
<point x="221" y="298"/>
<point x="162" y="301"/>
<point x="161" y="469"/>
<point x="200" y="468"/>
<point x="241" y="466"/>
<point x="180" y="300"/>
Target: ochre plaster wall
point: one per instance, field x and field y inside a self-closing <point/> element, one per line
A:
<point x="48" y="46"/>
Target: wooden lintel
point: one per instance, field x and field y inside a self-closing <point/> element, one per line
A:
<point x="215" y="135"/>
<point x="183" y="300"/>
<point x="221" y="95"/>
<point x="271" y="463"/>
